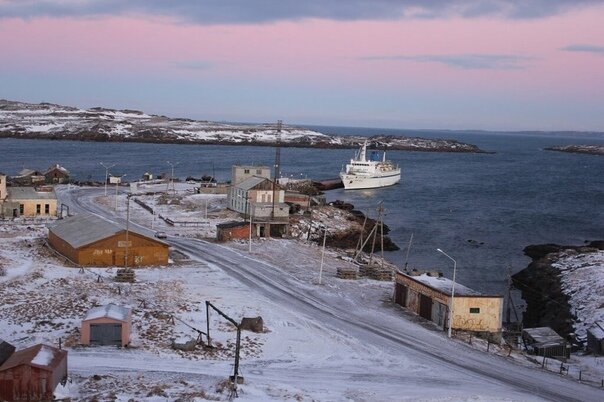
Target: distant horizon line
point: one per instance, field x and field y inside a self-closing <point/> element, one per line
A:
<point x="310" y="125"/>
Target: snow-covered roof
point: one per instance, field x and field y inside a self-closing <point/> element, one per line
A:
<point x="597" y="330"/>
<point x="83" y="229"/>
<point x="57" y="167"/>
<point x="110" y="310"/>
<point x="444" y="285"/>
<point x="42" y="356"/>
<point x="30" y="193"/>
<point x="543" y="336"/>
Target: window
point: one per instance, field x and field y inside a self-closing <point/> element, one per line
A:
<point x="258" y="171"/>
<point x="21" y="209"/>
<point x="246" y="171"/>
<point x="46" y="209"/>
<point x="474" y="310"/>
<point x="38" y="209"/>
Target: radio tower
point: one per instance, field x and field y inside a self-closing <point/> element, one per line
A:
<point x="277" y="162"/>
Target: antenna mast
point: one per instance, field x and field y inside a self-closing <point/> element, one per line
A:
<point x="277" y="162"/>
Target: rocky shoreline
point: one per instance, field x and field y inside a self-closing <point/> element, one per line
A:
<point x="542" y="289"/>
<point x="56" y="122"/>
<point x="579" y="149"/>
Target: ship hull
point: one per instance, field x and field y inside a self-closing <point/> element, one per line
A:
<point x="358" y="182"/>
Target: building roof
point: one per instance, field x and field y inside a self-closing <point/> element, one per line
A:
<point x="30" y="172"/>
<point x="597" y="330"/>
<point x="251" y="182"/>
<point x="41" y="356"/>
<point x="444" y="285"/>
<point x="543" y="336"/>
<point x="29" y="193"/>
<point x="110" y="310"/>
<point x="232" y="224"/>
<point x="57" y="167"/>
<point x="82" y="229"/>
<point x="6" y="350"/>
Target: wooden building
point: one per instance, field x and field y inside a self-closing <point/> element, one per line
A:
<point x="56" y="174"/>
<point x="106" y="325"/>
<point x="544" y="341"/>
<point x="233" y="230"/>
<point x="595" y="338"/>
<point x="93" y="241"/>
<point x="430" y="297"/>
<point x="32" y="374"/>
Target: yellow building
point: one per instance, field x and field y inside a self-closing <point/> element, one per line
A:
<point x="30" y="202"/>
<point x="430" y="297"/>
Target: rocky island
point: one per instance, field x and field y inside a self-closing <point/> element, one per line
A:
<point x="579" y="149"/>
<point x="56" y="122"/>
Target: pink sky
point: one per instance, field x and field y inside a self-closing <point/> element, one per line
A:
<point x="399" y="73"/>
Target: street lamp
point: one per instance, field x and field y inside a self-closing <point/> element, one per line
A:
<point x="452" y="289"/>
<point x="106" y="174"/>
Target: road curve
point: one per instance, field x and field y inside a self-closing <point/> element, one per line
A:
<point x="390" y="334"/>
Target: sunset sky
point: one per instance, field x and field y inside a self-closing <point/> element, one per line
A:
<point x="493" y="65"/>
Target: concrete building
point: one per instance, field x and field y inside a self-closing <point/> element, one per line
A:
<point x="106" y="325"/>
<point x="93" y="241"/>
<point x="240" y="173"/>
<point x="253" y="198"/>
<point x="32" y="374"/>
<point x="430" y="297"/>
<point x="28" y="202"/>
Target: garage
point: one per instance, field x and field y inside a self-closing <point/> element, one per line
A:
<point x="106" y="334"/>
<point x="107" y="325"/>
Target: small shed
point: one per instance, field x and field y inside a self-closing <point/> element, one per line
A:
<point x="107" y="325"/>
<point x="32" y="374"/>
<point x="6" y="351"/>
<point x="232" y="230"/>
<point x="93" y="241"/>
<point x="544" y="341"/>
<point x="595" y="338"/>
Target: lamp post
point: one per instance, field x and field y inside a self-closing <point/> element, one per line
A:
<point x="106" y="174"/>
<point x="452" y="289"/>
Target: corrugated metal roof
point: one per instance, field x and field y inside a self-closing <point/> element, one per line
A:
<point x="444" y="285"/>
<point x="42" y="356"/>
<point x="29" y="193"/>
<point x="110" y="310"/>
<point x="83" y="229"/>
<point x="251" y="182"/>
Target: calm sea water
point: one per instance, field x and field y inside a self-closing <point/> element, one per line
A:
<point x="482" y="209"/>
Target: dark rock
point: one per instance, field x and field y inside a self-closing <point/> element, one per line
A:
<point x="254" y="324"/>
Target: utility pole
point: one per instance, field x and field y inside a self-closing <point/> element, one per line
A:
<point x="171" y="177"/>
<point x="277" y="162"/>
<point x="322" y="253"/>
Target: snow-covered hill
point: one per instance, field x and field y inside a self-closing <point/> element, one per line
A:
<point x="46" y="120"/>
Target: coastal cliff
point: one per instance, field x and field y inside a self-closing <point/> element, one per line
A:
<point x="552" y="288"/>
<point x="56" y="122"/>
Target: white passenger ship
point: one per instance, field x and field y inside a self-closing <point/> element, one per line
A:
<point x="363" y="172"/>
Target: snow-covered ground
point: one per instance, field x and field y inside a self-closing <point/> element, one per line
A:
<point x="296" y="358"/>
